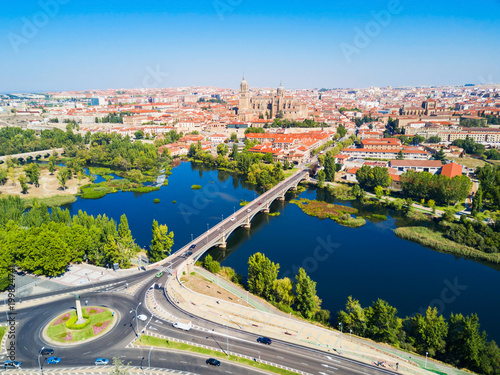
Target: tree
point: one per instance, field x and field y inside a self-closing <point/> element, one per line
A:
<point x="321" y="178"/>
<point x="33" y="173"/>
<point x="222" y="149"/>
<point x="400" y="155"/>
<point x="234" y="152"/>
<point x="427" y="333"/>
<point x="139" y="134"/>
<point x="383" y="324"/>
<point x="3" y="175"/>
<point x="63" y="176"/>
<point x="330" y="167"/>
<point x="440" y="155"/>
<point x="341" y="131"/>
<point x="135" y="175"/>
<point x="465" y="341"/>
<point x="234" y="137"/>
<point x="379" y="191"/>
<point x="371" y="177"/>
<point x="306" y="300"/>
<point x="211" y="265"/>
<point x="161" y="243"/>
<point x="434" y="139"/>
<point x="262" y="274"/>
<point x="283" y="291"/>
<point x="11" y="175"/>
<point x="353" y="318"/>
<point x="22" y="182"/>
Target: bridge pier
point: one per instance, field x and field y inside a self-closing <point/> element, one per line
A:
<point x="247" y="224"/>
<point x="268" y="206"/>
<point x="223" y="243"/>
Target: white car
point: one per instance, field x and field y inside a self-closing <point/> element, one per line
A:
<point x="233" y="218"/>
<point x="142" y="317"/>
<point x="248" y="210"/>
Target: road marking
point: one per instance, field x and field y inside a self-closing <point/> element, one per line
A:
<point x="280" y="357"/>
<point x="331" y="359"/>
<point x="183" y="362"/>
<point x="304" y="363"/>
<point x="329" y="366"/>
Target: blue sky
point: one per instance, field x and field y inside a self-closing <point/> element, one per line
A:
<point x="78" y="45"/>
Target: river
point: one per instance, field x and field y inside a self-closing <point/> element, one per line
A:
<point x="368" y="262"/>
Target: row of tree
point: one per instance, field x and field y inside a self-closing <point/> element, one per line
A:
<point x="457" y="341"/>
<point x="263" y="281"/>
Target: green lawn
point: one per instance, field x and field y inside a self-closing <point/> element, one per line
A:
<point x="55" y="201"/>
<point x="59" y="332"/>
<point x="289" y="172"/>
<point x="2" y="332"/>
<point x="156" y="341"/>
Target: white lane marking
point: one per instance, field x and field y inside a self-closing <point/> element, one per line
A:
<point x="329" y="366"/>
<point x="304" y="363"/>
<point x="331" y="359"/>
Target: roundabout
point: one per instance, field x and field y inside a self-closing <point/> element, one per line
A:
<point x="65" y="330"/>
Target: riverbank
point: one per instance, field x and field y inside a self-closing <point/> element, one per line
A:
<point x="436" y="241"/>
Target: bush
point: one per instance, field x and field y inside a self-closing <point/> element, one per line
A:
<point x="156" y="200"/>
<point x="174" y="202"/>
<point x="71" y="323"/>
<point x="196" y="187"/>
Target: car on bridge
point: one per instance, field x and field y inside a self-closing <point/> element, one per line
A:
<point x="213" y="362"/>
<point x="12" y="364"/>
<point x="53" y="360"/>
<point x="265" y="340"/>
<point x="233" y="218"/>
<point x="101" y="361"/>
<point x="248" y="210"/>
<point x="192" y="246"/>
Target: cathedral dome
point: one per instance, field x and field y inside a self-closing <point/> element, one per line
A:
<point x="244" y="85"/>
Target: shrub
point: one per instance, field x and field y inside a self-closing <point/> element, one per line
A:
<point x="156" y="200"/>
<point x="196" y="187"/>
<point x="174" y="202"/>
<point x="71" y="323"/>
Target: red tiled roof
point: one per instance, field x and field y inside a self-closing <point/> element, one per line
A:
<point x="451" y="170"/>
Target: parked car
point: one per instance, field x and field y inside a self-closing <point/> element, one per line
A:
<point x="53" y="360"/>
<point x="46" y="351"/>
<point x="101" y="361"/>
<point x="213" y="362"/>
<point x="265" y="340"/>
<point x="12" y="364"/>
<point x="142" y="317"/>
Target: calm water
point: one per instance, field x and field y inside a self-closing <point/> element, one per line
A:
<point x="368" y="262"/>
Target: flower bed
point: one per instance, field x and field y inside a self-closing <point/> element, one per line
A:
<point x="99" y="327"/>
<point x="94" y="310"/>
<point x="62" y="319"/>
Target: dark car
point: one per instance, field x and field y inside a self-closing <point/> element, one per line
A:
<point x="265" y="340"/>
<point x="46" y="351"/>
<point x="213" y="362"/>
<point x="192" y="247"/>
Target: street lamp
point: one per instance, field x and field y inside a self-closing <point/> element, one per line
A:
<point x="136" y="320"/>
<point x="149" y="360"/>
<point x="340" y="324"/>
<point x="350" y="333"/>
<point x="426" y="359"/>
<point x="39" y="363"/>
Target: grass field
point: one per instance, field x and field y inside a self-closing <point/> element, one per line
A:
<point x="323" y="210"/>
<point x="469" y="162"/>
<point x="289" y="172"/>
<point x="2" y="332"/>
<point x="59" y="332"/>
<point x="162" y="343"/>
<point x="55" y="201"/>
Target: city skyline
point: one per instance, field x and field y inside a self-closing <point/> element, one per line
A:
<point x="58" y="45"/>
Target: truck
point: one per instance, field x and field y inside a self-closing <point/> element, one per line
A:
<point x="182" y="324"/>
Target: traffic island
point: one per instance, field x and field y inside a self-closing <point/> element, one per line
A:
<point x="66" y="330"/>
